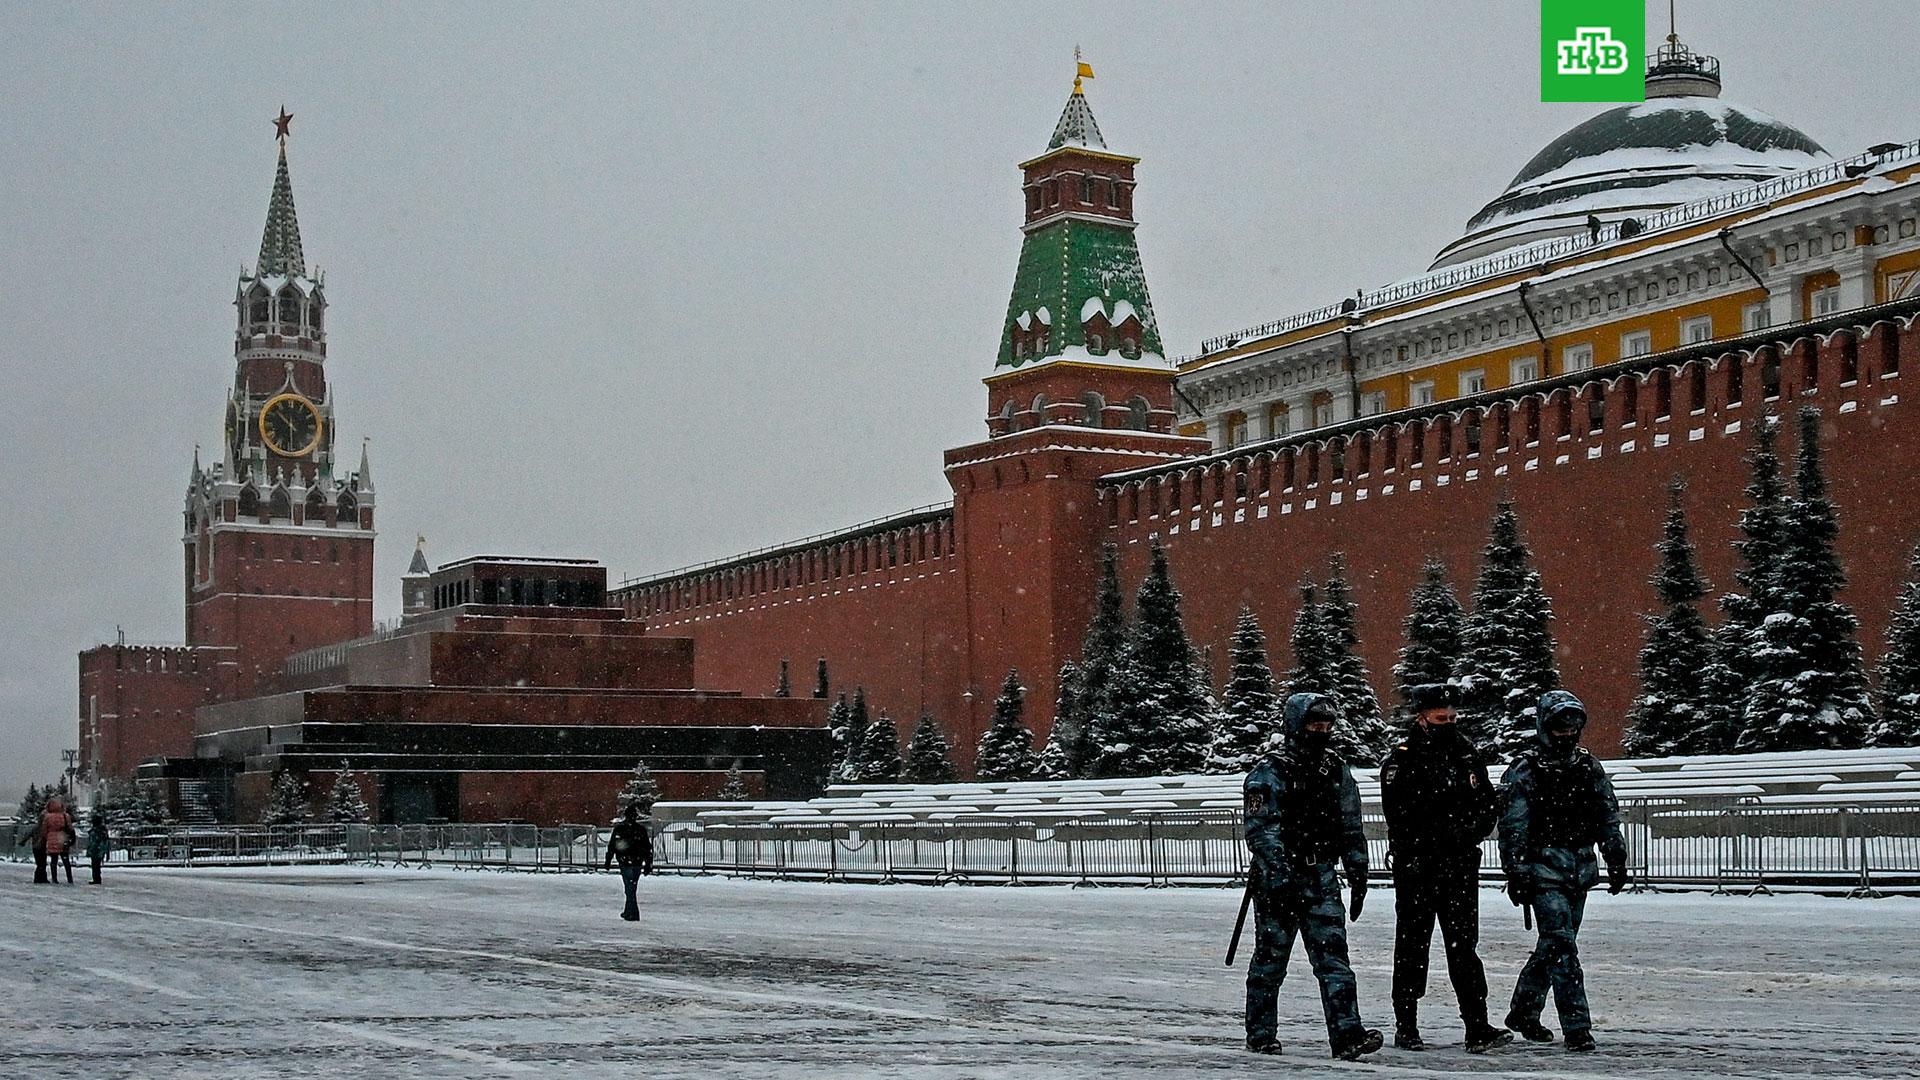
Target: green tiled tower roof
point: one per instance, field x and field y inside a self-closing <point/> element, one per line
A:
<point x="280" y="252"/>
<point x="1063" y="266"/>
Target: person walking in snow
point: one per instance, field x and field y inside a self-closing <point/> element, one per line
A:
<point x="632" y="844"/>
<point x="1559" y="804"/>
<point x="99" y="844"/>
<point x="39" y="846"/>
<point x="1303" y="816"/>
<point x="56" y="832"/>
<point x="1439" y="806"/>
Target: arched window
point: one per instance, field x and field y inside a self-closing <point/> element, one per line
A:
<point x="1040" y="407"/>
<point x="1138" y="413"/>
<point x="279" y="506"/>
<point x="313" y="315"/>
<point x="259" y="309"/>
<point x="1095" y="407"/>
<point x="290" y="309"/>
<point x="1096" y="344"/>
<point x="348" y="510"/>
<point x="316" y="507"/>
<point x="249" y="502"/>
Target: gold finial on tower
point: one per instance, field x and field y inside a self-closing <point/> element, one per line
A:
<point x="1081" y="70"/>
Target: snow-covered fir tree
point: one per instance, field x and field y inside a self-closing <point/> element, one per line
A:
<point x="839" y="733"/>
<point x="879" y="761"/>
<point x="783" y="688"/>
<point x="1161" y="707"/>
<point x="286" y="800"/>
<point x="820" y="679"/>
<point x="1900" y="667"/>
<point x="641" y="790"/>
<point x="1506" y="658"/>
<point x="346" y="804"/>
<point x="1810" y="690"/>
<point x="27" y="815"/>
<point x="1067" y="742"/>
<point x="735" y="788"/>
<point x="1677" y="710"/>
<point x="1762" y="540"/>
<point x="1006" y="748"/>
<point x="1249" y="717"/>
<point x="854" y="766"/>
<point x="1311" y="672"/>
<point x="1100" y="655"/>
<point x="1364" y="736"/>
<point x="1432" y="651"/>
<point x="929" y="760"/>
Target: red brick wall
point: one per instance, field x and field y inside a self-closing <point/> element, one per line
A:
<point x="144" y="698"/>
<point x="555" y="798"/>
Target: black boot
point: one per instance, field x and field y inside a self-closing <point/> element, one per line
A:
<point x="1580" y="1041"/>
<point x="1482" y="1036"/>
<point x="1406" y="1027"/>
<point x="1530" y="1030"/>
<point x="1356" y="1046"/>
<point x="1264" y="1046"/>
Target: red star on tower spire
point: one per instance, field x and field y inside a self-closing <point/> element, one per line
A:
<point x="281" y="123"/>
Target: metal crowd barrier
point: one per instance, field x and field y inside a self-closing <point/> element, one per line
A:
<point x="1859" y="851"/>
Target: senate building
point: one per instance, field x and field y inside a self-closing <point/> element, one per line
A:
<point x="1649" y="286"/>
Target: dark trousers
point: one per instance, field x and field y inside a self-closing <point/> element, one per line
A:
<point x="39" y="866"/>
<point x="55" y="862"/>
<point x="1446" y="891"/>
<point x="1555" y="961"/>
<point x="1315" y="914"/>
<point x="630" y="879"/>
<point x="95" y="861"/>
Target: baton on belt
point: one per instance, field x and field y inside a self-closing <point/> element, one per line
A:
<point x="1526" y="910"/>
<point x="1240" y="924"/>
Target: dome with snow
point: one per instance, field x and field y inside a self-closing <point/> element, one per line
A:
<point x="1682" y="144"/>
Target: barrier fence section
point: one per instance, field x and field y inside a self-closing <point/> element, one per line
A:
<point x="1860" y="851"/>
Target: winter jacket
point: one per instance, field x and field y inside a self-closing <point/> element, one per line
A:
<point x="1557" y="807"/>
<point x="1302" y="814"/>
<point x="1438" y="801"/>
<point x="56" y="830"/>
<point x="631" y="842"/>
<point x="99" y="844"/>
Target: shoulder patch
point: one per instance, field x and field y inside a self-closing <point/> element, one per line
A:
<point x="1256" y="801"/>
<point x="1387" y="773"/>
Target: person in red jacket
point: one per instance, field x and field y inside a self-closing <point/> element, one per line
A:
<point x="56" y="831"/>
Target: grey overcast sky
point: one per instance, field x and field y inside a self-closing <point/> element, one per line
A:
<point x="653" y="284"/>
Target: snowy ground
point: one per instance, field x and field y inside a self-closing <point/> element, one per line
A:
<point x="335" y="972"/>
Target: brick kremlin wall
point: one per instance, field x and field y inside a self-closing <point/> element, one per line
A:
<point x="1585" y="458"/>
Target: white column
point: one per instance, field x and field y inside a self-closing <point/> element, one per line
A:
<point x="1856" y="278"/>
<point x="1217" y="430"/>
<point x="1783" y="299"/>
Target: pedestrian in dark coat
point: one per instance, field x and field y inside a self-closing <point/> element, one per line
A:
<point x="99" y="844"/>
<point x="1439" y="806"/>
<point x="39" y="846"/>
<point x="1303" y="816"/>
<point x="632" y="845"/>
<point x="56" y="832"/>
<point x="1559" y="804"/>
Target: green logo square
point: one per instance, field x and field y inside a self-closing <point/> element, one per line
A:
<point x="1593" y="50"/>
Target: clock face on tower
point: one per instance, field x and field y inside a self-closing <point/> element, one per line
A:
<point x="290" y="425"/>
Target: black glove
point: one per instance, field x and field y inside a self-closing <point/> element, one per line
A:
<point x="1520" y="887"/>
<point x="1616" y="879"/>
<point x="1357" y="898"/>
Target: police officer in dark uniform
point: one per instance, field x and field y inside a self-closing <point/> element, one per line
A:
<point x="632" y="844"/>
<point x="1303" y="815"/>
<point x="1559" y="804"/>
<point x="1439" y="806"/>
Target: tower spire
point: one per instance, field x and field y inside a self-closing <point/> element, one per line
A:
<point x="1076" y="126"/>
<point x="280" y="251"/>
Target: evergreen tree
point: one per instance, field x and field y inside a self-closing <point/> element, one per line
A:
<point x="1100" y="656"/>
<point x="31" y="806"/>
<point x="1506" y="659"/>
<point x="1364" y="736"/>
<point x="1900" y="668"/>
<point x="783" y="688"/>
<point x="1161" y="707"/>
<point x="854" y="768"/>
<point x="286" y="800"/>
<point x="346" y="804"/>
<point x="1432" y="651"/>
<point x="1006" y="748"/>
<point x="820" y="679"/>
<point x="641" y="790"/>
<point x="1311" y="672"/>
<point x="839" y="718"/>
<point x="1810" y="690"/>
<point x="879" y="761"/>
<point x="1067" y="742"/>
<point x="928" y="758"/>
<point x="735" y="788"/>
<point x="1677" y="711"/>
<point x="1249" y="717"/>
<point x="1762" y="541"/>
